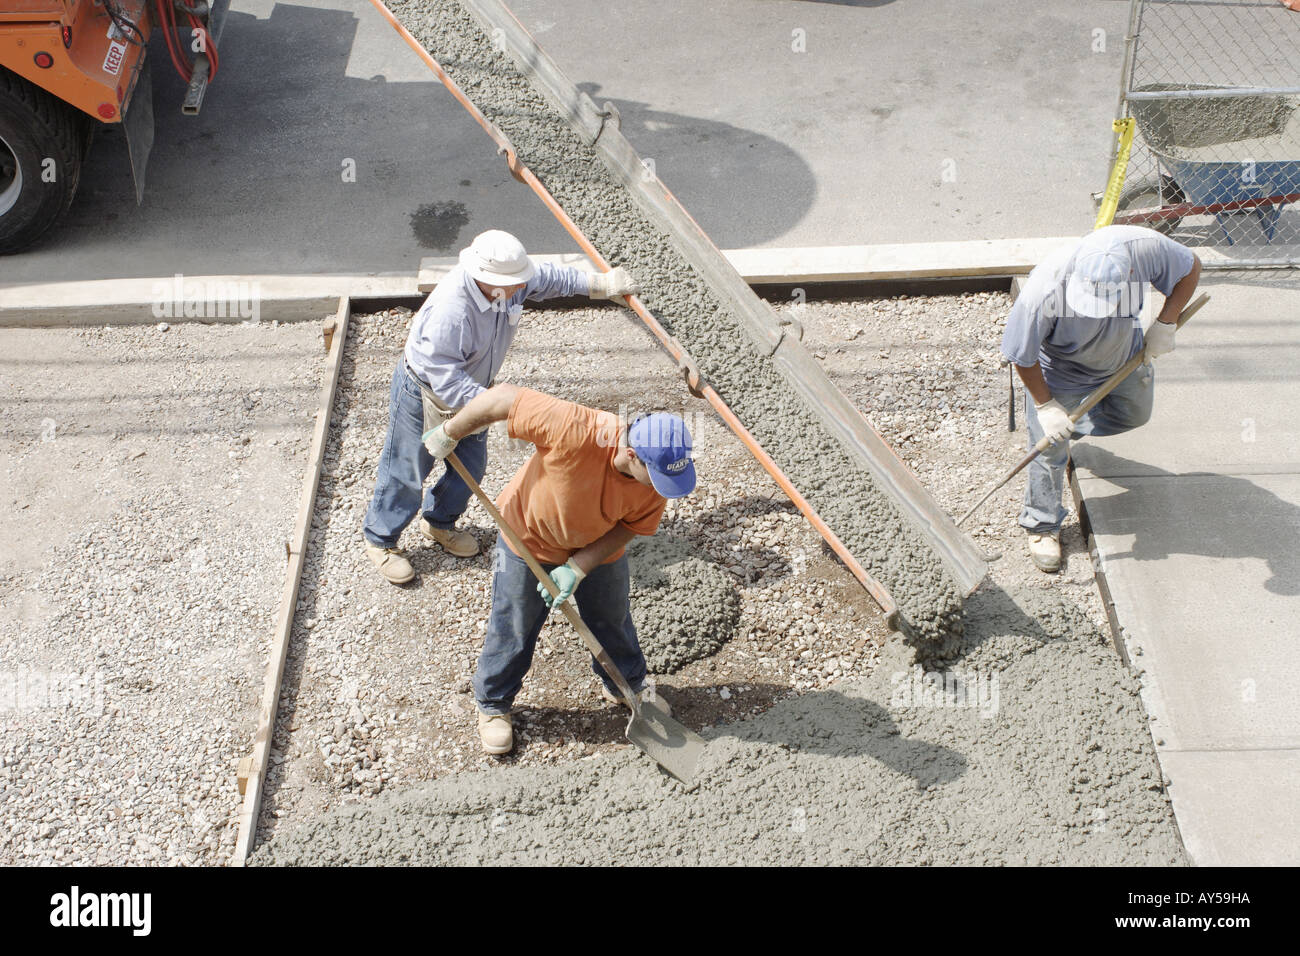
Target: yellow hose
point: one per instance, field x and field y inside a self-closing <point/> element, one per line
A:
<point x="1110" y="201"/>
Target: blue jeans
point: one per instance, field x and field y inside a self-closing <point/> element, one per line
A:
<point x="518" y="613"/>
<point x="404" y="465"/>
<point x="1127" y="407"/>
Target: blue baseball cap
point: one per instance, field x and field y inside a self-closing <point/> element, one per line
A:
<point x="663" y="444"/>
<point x="1098" y="283"/>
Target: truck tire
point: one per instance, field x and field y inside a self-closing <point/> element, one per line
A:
<point x="42" y="144"/>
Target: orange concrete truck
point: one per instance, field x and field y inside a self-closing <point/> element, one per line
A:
<point x="69" y="66"/>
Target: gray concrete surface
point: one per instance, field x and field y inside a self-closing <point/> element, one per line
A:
<point x="845" y="143"/>
<point x="1196" y="517"/>
<point x="1049" y="769"/>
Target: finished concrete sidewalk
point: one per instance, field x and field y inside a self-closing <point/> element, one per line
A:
<point x="1196" y="518"/>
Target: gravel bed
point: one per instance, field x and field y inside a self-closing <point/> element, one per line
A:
<point x="151" y="481"/>
<point x="185" y="504"/>
<point x="377" y="685"/>
<point x="379" y="680"/>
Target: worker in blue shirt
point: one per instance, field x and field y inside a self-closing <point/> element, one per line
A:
<point x="1075" y="322"/>
<point x="456" y="346"/>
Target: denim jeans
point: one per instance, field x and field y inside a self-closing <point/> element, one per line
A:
<point x="1127" y="407"/>
<point x="518" y="613"/>
<point x="405" y="463"/>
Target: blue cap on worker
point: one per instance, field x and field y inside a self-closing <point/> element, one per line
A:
<point x="1099" y="282"/>
<point x="663" y="443"/>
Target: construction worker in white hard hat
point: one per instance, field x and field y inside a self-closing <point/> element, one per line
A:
<point x="1075" y="322"/>
<point x="457" y="343"/>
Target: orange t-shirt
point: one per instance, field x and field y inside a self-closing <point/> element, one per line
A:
<point x="568" y="494"/>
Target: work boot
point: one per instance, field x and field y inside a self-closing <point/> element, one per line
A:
<point x="460" y="543"/>
<point x="648" y="695"/>
<point x="1045" y="552"/>
<point x="496" y="732"/>
<point x="392" y="564"/>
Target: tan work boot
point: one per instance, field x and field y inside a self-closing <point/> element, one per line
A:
<point x="497" y="733"/>
<point x="1045" y="552"/>
<point x="392" y="564"/>
<point x="460" y="543"/>
<point x="648" y="695"/>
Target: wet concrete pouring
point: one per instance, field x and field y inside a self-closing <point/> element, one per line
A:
<point x="1028" y="744"/>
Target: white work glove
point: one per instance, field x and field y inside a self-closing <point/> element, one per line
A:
<point x="1160" y="339"/>
<point x="607" y="285"/>
<point x="438" y="442"/>
<point x="1054" y="420"/>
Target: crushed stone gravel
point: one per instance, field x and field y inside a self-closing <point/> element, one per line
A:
<point x="151" y="479"/>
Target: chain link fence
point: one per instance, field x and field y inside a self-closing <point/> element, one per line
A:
<point x="1212" y="87"/>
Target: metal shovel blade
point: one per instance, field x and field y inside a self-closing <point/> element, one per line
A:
<point x="665" y="741"/>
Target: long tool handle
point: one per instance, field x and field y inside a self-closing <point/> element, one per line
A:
<point x="1107" y="387"/>
<point x="588" y="638"/>
<point x="1011" y="398"/>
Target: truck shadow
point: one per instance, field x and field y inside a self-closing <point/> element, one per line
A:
<point x="293" y="166"/>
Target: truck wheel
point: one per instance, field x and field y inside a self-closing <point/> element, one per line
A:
<point x="42" y="142"/>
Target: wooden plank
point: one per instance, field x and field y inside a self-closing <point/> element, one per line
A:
<point x="262" y="739"/>
<point x="914" y="260"/>
<point x="911" y="260"/>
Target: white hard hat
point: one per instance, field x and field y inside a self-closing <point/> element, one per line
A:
<point x="1099" y="283"/>
<point x="498" y="258"/>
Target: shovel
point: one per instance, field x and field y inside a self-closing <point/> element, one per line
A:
<point x="664" y="740"/>
<point x="1105" y="389"/>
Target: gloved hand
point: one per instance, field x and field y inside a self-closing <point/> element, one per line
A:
<point x="607" y="285"/>
<point x="438" y="442"/>
<point x="567" y="577"/>
<point x="1055" y="420"/>
<point x="1159" y="339"/>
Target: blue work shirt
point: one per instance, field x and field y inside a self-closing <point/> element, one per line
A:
<point x="459" y="338"/>
<point x="1077" y="352"/>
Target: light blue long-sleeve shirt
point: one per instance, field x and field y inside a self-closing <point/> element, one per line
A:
<point x="459" y="338"/>
<point x="1078" y="353"/>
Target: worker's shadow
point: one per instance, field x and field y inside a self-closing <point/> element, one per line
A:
<point x="1191" y="519"/>
<point x="830" y="723"/>
<point x="833" y="723"/>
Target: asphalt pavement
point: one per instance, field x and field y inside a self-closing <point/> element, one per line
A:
<point x="776" y="122"/>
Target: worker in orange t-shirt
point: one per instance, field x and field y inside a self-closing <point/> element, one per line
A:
<point x="593" y="484"/>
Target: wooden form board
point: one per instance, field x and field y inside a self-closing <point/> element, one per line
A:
<point x="255" y="770"/>
<point x="913" y="260"/>
<point x="901" y="261"/>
